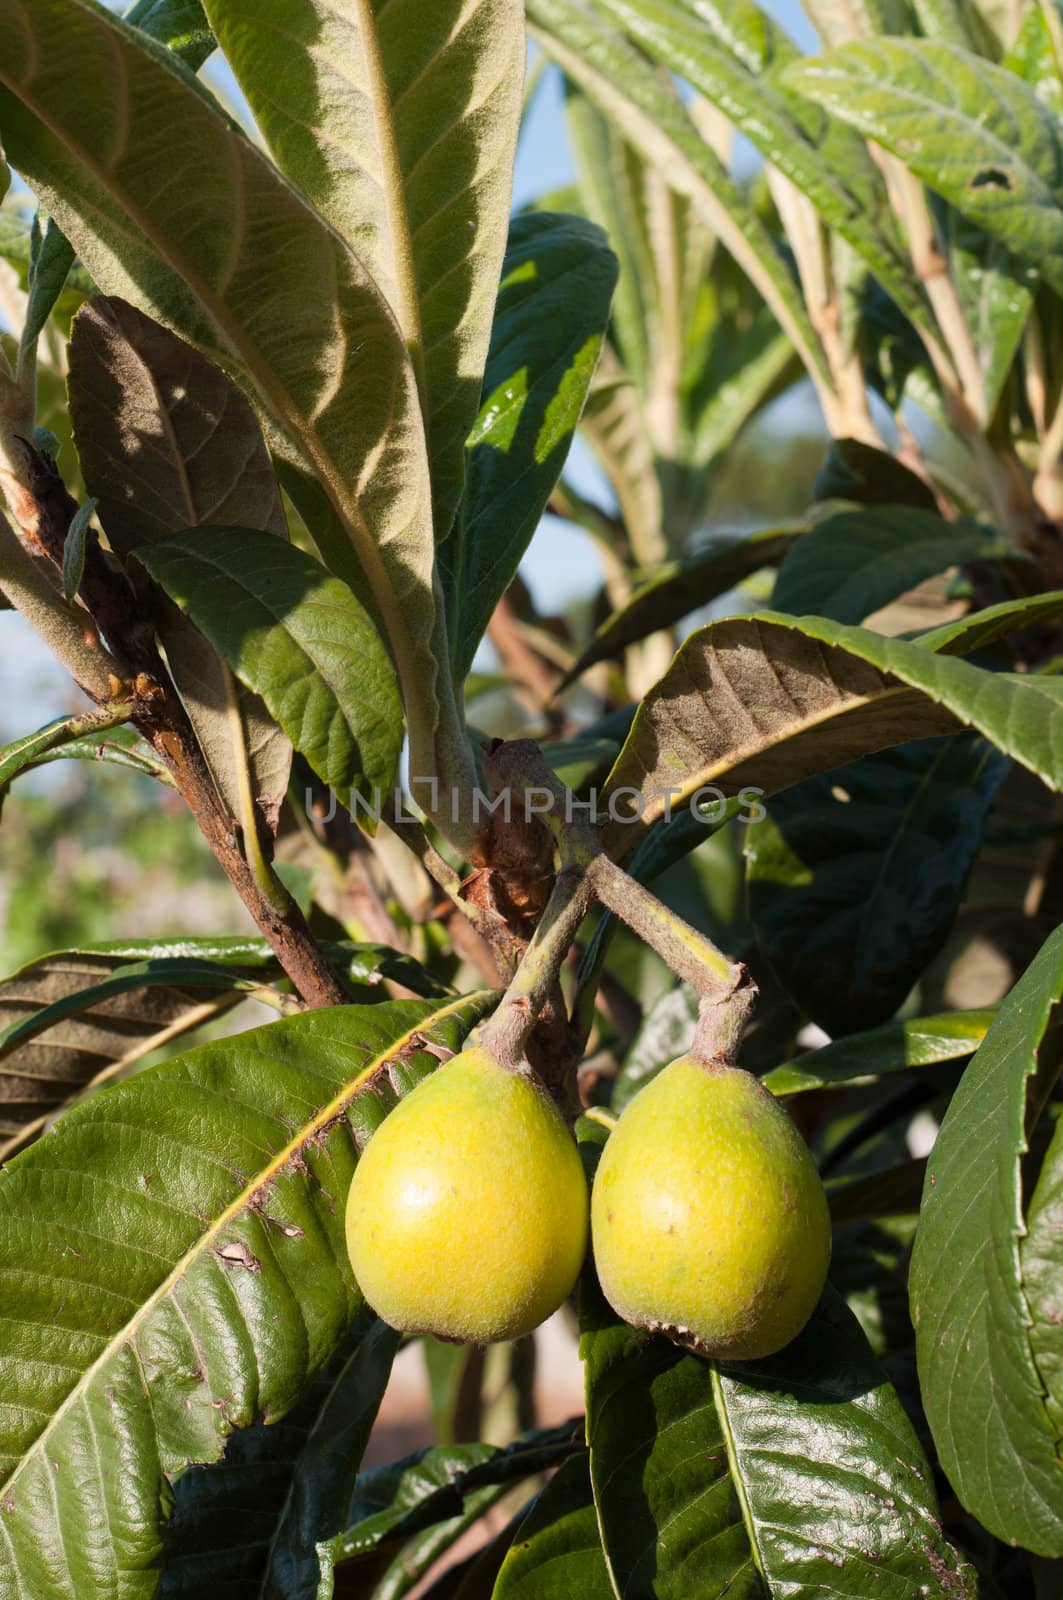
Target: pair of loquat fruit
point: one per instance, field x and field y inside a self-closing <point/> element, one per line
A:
<point x="467" y="1216"/>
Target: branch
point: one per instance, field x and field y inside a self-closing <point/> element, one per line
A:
<point x="587" y="874"/>
<point x="158" y="714"/>
<point x="67" y="630"/>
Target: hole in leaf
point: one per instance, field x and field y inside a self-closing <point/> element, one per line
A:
<point x="992" y="178"/>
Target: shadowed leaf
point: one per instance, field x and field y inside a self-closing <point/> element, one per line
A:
<point x="166" y="442"/>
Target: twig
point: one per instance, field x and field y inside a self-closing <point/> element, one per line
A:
<point x="159" y="715"/>
<point x="588" y="874"/>
<point x="535" y="980"/>
<point x="67" y="630"/>
<point x="534" y="680"/>
<point x="848" y="415"/>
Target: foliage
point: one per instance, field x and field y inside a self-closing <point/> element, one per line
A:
<point x="281" y="410"/>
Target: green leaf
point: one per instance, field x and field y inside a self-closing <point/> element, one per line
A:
<point x="824" y="695"/>
<point x="178" y="24"/>
<point x="854" y="563"/>
<point x="557" y="1551"/>
<point x="857" y="471"/>
<point x="74" y="548"/>
<point x="996" y="292"/>
<point x="206" y="1293"/>
<point x="899" y="1046"/>
<point x="679" y="587"/>
<point x="257" y="1516"/>
<point x="842" y="183"/>
<point x="1039" y="1258"/>
<point x="431" y="1486"/>
<point x="121" y="747"/>
<point x="978" y="1369"/>
<point x="984" y="628"/>
<point x="958" y="22"/>
<point x="784" y="1475"/>
<point x="166" y="442"/>
<point x="299" y="638"/>
<point x="627" y="89"/>
<point x="51" y="258"/>
<point x="94" y="1032"/>
<point x="613" y="182"/>
<point x="244" y="269"/>
<point x="904" y="1045"/>
<point x="970" y="130"/>
<point x="54" y="738"/>
<point x="553" y="306"/>
<point x="1034" y="55"/>
<point x="401" y="133"/>
<point x="411" y="1562"/>
<point x="855" y="876"/>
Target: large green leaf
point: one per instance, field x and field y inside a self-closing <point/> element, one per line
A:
<point x="399" y="124"/>
<point x="299" y="638"/>
<point x="855" y="876"/>
<point x="897" y="1047"/>
<point x="791" y="1475"/>
<point x="856" y="562"/>
<point x="835" y="172"/>
<point x="678" y="587"/>
<point x="173" y="1265"/>
<point x="613" y="73"/>
<point x="975" y="1338"/>
<point x="252" y="1521"/>
<point x="766" y="701"/>
<point x="244" y="269"/>
<point x="166" y="442"/>
<point x="557" y="1550"/>
<point x="971" y="130"/>
<point x="553" y="307"/>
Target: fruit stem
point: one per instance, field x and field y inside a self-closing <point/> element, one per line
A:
<point x="533" y="983"/>
<point x="588" y="873"/>
<point x="721" y="1024"/>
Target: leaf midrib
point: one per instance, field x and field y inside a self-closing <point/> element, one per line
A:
<point x="127" y="1332"/>
<point x="408" y="309"/>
